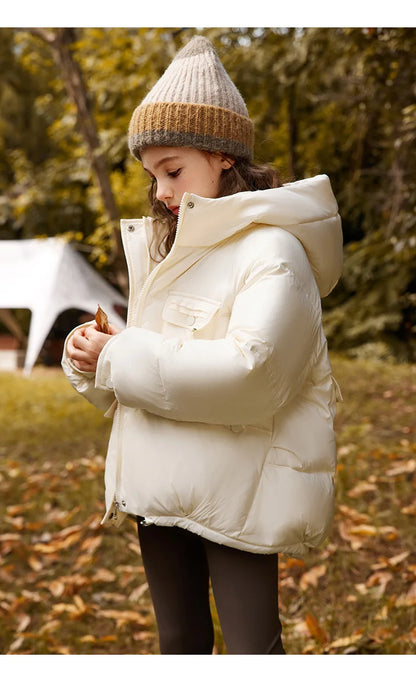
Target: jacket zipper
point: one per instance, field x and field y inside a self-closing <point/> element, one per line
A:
<point x="148" y="282"/>
<point x="116" y="500"/>
<point x="134" y="318"/>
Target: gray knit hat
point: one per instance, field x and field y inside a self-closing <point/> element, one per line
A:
<point x="196" y="104"/>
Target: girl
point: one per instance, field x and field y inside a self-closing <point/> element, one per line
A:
<point x="222" y="444"/>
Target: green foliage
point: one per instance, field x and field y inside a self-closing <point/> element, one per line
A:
<point x="333" y="100"/>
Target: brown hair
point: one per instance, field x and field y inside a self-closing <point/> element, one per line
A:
<point x="241" y="176"/>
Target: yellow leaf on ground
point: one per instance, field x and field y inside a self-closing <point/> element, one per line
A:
<point x="24" y="620"/>
<point x="378" y="581"/>
<point x="316" y="629"/>
<point x="122" y="616"/>
<point x="409" y="599"/>
<point x="346" y="641"/>
<point x="353" y="514"/>
<point x="57" y="588"/>
<point x="409" y="509"/>
<point x="91" y="544"/>
<point x="34" y="563"/>
<point x="136" y="594"/>
<point x="311" y="577"/>
<point x="360" y="488"/>
<point x="402" y="468"/>
<point x="389" y="533"/>
<point x="363" y="530"/>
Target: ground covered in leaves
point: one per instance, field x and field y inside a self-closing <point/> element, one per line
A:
<point x="70" y="586"/>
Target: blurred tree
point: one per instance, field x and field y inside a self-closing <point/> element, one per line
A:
<point x="332" y="100"/>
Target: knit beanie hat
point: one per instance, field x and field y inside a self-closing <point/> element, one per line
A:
<point x="194" y="104"/>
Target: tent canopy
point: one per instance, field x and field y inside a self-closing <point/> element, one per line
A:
<point x="48" y="276"/>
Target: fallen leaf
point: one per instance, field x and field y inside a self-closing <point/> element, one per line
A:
<point x="49" y="627"/>
<point x="361" y="588"/>
<point x="34" y="563"/>
<point x="311" y="577"/>
<point x="295" y="564"/>
<point x="378" y="582"/>
<point x="122" y="616"/>
<point x="24" y="620"/>
<point x="104" y="575"/>
<point x="402" y="468"/>
<point x="346" y="641"/>
<point x="409" y="599"/>
<point x="16" y="644"/>
<point x="389" y="533"/>
<point x="353" y="514"/>
<point x="382" y="634"/>
<point x="14" y="510"/>
<point x="99" y="640"/>
<point x="360" y="488"/>
<point x="396" y="559"/>
<point x="316" y="629"/>
<point x="57" y="588"/>
<point x="363" y="530"/>
<point x="383" y="614"/>
<point x="409" y="509"/>
<point x="135" y="548"/>
<point x="137" y="593"/>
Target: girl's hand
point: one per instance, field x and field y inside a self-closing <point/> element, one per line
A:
<point x="85" y="345"/>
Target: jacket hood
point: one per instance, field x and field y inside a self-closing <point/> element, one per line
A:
<point x="306" y="208"/>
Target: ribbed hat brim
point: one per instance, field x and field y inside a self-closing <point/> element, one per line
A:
<point x="187" y="124"/>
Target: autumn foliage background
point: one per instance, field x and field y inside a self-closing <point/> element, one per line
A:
<point x="339" y="101"/>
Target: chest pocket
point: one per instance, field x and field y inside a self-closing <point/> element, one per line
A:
<point x="186" y="316"/>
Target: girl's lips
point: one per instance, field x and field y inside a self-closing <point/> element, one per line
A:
<point x="174" y="209"/>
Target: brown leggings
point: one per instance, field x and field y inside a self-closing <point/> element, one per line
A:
<point x="178" y="566"/>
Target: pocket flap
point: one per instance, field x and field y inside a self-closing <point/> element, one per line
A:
<point x="189" y="311"/>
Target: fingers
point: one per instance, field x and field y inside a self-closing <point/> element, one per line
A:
<point x="114" y="330"/>
<point x="85" y="345"/>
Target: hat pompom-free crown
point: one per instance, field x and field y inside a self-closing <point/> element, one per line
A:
<point x="194" y="103"/>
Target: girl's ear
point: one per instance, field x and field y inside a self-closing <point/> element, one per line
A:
<point x="227" y="162"/>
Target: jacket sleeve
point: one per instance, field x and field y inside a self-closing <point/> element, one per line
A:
<point x="242" y="378"/>
<point x="84" y="382"/>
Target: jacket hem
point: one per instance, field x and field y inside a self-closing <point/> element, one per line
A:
<point x="295" y="550"/>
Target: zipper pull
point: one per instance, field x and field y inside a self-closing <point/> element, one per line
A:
<point x="145" y="522"/>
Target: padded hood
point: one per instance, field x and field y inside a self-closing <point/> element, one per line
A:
<point x="307" y="209"/>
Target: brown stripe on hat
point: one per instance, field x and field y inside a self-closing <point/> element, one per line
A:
<point x="185" y="124"/>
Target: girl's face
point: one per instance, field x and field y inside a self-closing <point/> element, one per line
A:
<point x="177" y="170"/>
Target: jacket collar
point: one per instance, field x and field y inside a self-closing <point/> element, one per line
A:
<point x="306" y="208"/>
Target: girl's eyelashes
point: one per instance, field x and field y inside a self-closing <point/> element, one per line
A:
<point x="174" y="173"/>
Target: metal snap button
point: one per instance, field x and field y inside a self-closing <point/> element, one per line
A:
<point x="190" y="204"/>
<point x="130" y="227"/>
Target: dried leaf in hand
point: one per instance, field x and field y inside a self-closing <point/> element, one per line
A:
<point x="101" y="319"/>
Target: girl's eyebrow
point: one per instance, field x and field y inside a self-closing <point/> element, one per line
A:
<point x="160" y="162"/>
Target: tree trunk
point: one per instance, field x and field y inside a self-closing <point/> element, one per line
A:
<point x="61" y="40"/>
<point x="293" y="131"/>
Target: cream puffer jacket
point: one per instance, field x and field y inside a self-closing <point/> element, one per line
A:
<point x="225" y="401"/>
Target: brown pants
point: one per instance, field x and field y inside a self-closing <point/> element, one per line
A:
<point x="178" y="566"/>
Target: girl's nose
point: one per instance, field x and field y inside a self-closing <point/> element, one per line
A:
<point x="163" y="192"/>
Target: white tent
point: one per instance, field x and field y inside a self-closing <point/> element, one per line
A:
<point x="49" y="276"/>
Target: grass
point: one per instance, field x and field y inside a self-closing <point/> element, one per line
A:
<point x="69" y="586"/>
